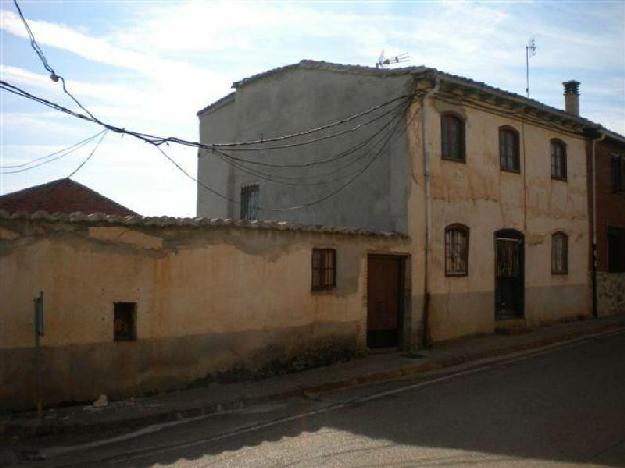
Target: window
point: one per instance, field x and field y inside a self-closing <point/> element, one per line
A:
<point x="249" y="202"/>
<point x="452" y="137"/>
<point x="456" y="250"/>
<point x="125" y="314"/>
<point x="558" y="160"/>
<point x="616" y="249"/>
<point x="509" y="149"/>
<point x="323" y="269"/>
<point x="559" y="254"/>
<point x="618" y="173"/>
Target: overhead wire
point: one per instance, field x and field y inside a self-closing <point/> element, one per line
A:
<point x="86" y="160"/>
<point x="157" y="141"/>
<point x="304" y="178"/>
<point x="56" y="158"/>
<point x="66" y="151"/>
<point x="330" y="159"/>
<point x="54" y="76"/>
<point x="334" y="192"/>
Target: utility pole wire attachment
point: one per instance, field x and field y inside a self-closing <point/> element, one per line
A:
<point x="86" y="160"/>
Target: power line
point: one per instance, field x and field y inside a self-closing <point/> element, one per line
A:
<point x="238" y="146"/>
<point x="65" y="151"/>
<point x="86" y="160"/>
<point x="302" y="179"/>
<point x="300" y="206"/>
<point x="235" y="146"/>
<point x="60" y="156"/>
<point x="53" y="75"/>
<point x="333" y="158"/>
<point x="158" y="140"/>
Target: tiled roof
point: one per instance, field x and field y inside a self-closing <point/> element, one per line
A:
<point x="100" y="219"/>
<point x="338" y="67"/>
<point x="419" y="70"/>
<point x="61" y="196"/>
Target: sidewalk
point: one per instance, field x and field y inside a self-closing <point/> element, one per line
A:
<point x="213" y="398"/>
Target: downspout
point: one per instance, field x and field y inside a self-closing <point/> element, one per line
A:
<point x="595" y="311"/>
<point x="427" y="339"/>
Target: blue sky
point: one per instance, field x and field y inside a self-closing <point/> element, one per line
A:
<point x="150" y="65"/>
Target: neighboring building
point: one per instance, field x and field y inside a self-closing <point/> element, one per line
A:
<point x="136" y="304"/>
<point x="61" y="196"/>
<point x="489" y="186"/>
<point x="606" y="153"/>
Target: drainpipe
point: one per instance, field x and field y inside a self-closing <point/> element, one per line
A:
<point x="595" y="311"/>
<point x="427" y="339"/>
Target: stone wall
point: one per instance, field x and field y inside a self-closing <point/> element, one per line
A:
<point x="610" y="293"/>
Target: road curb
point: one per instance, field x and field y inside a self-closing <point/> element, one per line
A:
<point x="42" y="427"/>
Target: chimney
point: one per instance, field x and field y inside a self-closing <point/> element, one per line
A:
<point x="571" y="97"/>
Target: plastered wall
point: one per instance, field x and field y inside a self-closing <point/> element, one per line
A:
<point x="486" y="199"/>
<point x="298" y="100"/>
<point x="208" y="300"/>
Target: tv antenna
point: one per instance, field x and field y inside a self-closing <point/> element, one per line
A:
<point x="385" y="61"/>
<point x="530" y="51"/>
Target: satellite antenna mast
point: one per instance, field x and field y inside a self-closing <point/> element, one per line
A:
<point x="384" y="61"/>
<point x="530" y="51"/>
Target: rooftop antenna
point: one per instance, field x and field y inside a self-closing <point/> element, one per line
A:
<point x="385" y="61"/>
<point x="530" y="51"/>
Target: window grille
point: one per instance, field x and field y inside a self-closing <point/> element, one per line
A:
<point x="323" y="269"/>
<point x="456" y="250"/>
<point x="249" y="202"/>
<point x="559" y="253"/>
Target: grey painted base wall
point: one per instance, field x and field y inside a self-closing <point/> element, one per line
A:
<point x="610" y="293"/>
<point x="79" y="373"/>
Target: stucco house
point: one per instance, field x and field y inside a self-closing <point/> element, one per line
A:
<point x="340" y="208"/>
<point x="490" y="187"/>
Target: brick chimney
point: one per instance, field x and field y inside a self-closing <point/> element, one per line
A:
<point x="571" y="97"/>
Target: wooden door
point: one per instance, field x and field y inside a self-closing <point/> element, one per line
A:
<point x="509" y="275"/>
<point x="383" y="301"/>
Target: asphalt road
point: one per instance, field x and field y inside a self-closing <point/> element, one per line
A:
<point x="564" y="407"/>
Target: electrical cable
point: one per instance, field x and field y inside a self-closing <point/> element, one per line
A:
<point x="302" y="180"/>
<point x="47" y="161"/>
<point x="333" y="158"/>
<point x="86" y="160"/>
<point x="69" y="150"/>
<point x="53" y="75"/>
<point x="157" y="140"/>
<point x="300" y="206"/>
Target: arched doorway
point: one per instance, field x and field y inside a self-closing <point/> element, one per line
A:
<point x="509" y="274"/>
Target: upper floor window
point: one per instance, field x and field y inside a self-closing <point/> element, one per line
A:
<point x="456" y="250"/>
<point x="452" y="137"/>
<point x="618" y="172"/>
<point x="249" y="202"/>
<point x="323" y="269"/>
<point x="616" y="249"/>
<point x="559" y="253"/>
<point x="558" y="160"/>
<point x="509" y="149"/>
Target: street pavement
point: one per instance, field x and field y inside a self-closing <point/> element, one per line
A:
<point x="561" y="407"/>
